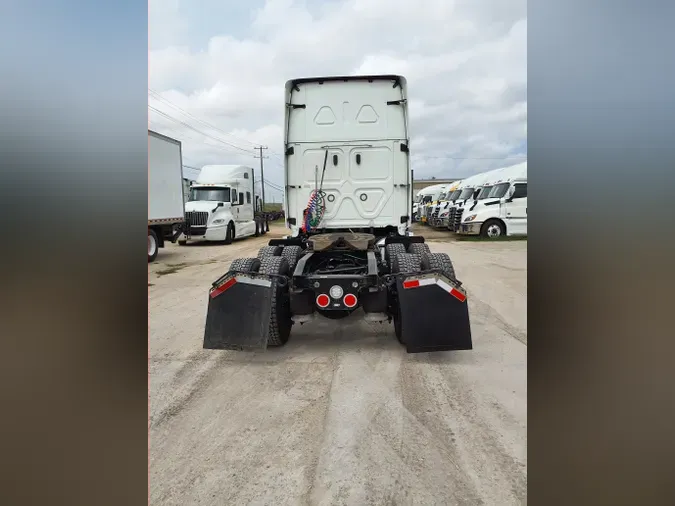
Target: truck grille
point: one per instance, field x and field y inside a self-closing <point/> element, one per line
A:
<point x="196" y="218"/>
<point x="435" y="213"/>
<point x="451" y="216"/>
<point x="457" y="219"/>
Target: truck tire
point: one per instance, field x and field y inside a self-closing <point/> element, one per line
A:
<point x="419" y="248"/>
<point x="245" y="264"/>
<point x="269" y="251"/>
<point x="257" y="228"/>
<point x="403" y="263"/>
<point x="407" y="263"/>
<point x="440" y="261"/>
<point x="390" y="252"/>
<point x="292" y="254"/>
<point x="153" y="245"/>
<point x="182" y="242"/>
<point x="492" y="229"/>
<point x="229" y="236"/>
<point x="280" y="319"/>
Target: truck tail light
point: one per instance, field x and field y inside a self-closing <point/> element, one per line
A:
<point x="349" y="300"/>
<point x="322" y="300"/>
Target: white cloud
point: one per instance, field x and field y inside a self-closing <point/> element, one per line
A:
<point x="465" y="62"/>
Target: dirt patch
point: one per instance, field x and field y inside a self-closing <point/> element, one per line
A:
<point x="171" y="268"/>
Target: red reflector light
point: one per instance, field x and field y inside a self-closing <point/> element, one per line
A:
<point x="217" y="291"/>
<point x="349" y="300"/>
<point x="323" y="300"/>
<point x="458" y="295"/>
<point x="411" y="284"/>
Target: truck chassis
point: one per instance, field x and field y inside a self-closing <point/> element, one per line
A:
<point x="396" y="278"/>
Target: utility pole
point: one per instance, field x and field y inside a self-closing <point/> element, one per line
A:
<point x="262" y="174"/>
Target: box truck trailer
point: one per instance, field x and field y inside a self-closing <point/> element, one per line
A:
<point x="165" y="192"/>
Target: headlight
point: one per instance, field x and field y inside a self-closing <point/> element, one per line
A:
<point x="470" y="218"/>
<point x="444" y="214"/>
<point x="217" y="222"/>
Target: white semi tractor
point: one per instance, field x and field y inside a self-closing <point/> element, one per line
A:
<point x="503" y="211"/>
<point x="348" y="202"/>
<point x="165" y="192"/>
<point x="429" y="196"/>
<point x="223" y="206"/>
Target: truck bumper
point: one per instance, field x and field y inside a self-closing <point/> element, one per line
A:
<point x="216" y="233"/>
<point x="472" y="228"/>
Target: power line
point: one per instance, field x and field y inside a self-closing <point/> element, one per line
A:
<point x="187" y="125"/>
<point x="205" y="123"/>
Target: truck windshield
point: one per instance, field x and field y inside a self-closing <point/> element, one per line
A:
<point x="484" y="192"/>
<point x="442" y="196"/>
<point x="499" y="190"/>
<point x="454" y="195"/>
<point x="212" y="194"/>
<point x="466" y="193"/>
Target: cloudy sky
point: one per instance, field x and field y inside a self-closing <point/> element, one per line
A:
<point x="218" y="68"/>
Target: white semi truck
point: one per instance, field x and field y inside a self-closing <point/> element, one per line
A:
<point x="430" y="195"/>
<point x="503" y="212"/>
<point x="223" y="206"/>
<point x="348" y="202"/>
<point x="165" y="192"/>
<point x="439" y="215"/>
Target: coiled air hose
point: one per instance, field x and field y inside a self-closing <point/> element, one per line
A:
<point x="316" y="207"/>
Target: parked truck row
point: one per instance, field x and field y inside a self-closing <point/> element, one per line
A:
<point x="492" y="204"/>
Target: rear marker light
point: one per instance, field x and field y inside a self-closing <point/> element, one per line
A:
<point x="458" y="295"/>
<point x="322" y="300"/>
<point x="416" y="283"/>
<point x="217" y="291"/>
<point x="349" y="300"/>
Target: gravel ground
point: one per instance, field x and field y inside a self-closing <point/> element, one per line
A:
<point x="341" y="414"/>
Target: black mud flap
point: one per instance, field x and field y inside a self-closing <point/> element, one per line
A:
<point x="434" y="314"/>
<point x="238" y="314"/>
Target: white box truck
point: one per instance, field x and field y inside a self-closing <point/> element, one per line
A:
<point x="165" y="191"/>
<point x="348" y="202"/>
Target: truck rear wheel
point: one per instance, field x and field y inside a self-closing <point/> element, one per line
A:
<point x="269" y="251"/>
<point x="280" y="319"/>
<point x="390" y="252"/>
<point x="153" y="245"/>
<point x="292" y="254"/>
<point x="245" y="264"/>
<point x="441" y="262"/>
<point x="419" y="248"/>
<point x="407" y="263"/>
